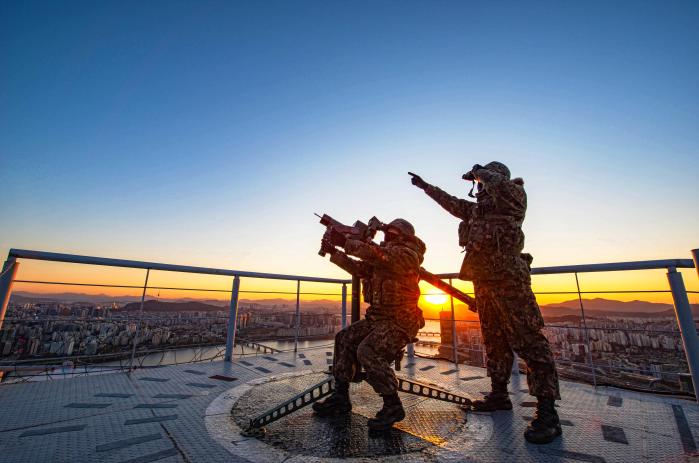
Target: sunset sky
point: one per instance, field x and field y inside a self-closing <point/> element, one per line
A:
<point x="207" y="133"/>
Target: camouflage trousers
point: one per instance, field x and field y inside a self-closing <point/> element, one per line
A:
<point x="511" y="321"/>
<point x="372" y="345"/>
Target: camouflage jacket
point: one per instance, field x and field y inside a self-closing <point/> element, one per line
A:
<point x="390" y="274"/>
<point x="491" y="228"/>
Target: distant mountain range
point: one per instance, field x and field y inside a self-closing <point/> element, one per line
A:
<point x="610" y="307"/>
<point x="167" y="305"/>
<point x="593" y="307"/>
<point x="23" y="297"/>
<point x="598" y="307"/>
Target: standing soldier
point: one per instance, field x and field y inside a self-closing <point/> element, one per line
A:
<point x="390" y="276"/>
<point x="491" y="234"/>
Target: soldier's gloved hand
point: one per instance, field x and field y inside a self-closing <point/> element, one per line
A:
<point x="418" y="181"/>
<point x="326" y="246"/>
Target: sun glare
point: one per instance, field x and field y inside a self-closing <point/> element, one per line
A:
<point x="436" y="298"/>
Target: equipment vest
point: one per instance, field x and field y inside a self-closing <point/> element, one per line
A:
<point x="493" y="244"/>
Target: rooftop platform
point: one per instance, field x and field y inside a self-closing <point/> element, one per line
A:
<point x="186" y="413"/>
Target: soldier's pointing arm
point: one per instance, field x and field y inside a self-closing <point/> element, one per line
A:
<point x="455" y="206"/>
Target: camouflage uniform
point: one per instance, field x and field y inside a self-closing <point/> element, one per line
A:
<point x="390" y="275"/>
<point x="491" y="232"/>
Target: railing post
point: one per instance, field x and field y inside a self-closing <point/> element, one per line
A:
<point x="298" y="315"/>
<point x="7" y="277"/>
<point x="344" y="305"/>
<point x="232" y="320"/>
<point x="685" y="321"/>
<point x="356" y="289"/>
<point x="587" y="334"/>
<point x="453" y="330"/>
<point x="140" y="320"/>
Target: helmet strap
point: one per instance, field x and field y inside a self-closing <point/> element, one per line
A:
<point x="470" y="193"/>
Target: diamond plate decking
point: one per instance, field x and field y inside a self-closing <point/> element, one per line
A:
<point x="163" y="415"/>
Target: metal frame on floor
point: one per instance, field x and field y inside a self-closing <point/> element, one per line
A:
<point x="327" y="386"/>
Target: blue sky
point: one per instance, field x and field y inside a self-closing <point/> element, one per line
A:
<point x="208" y="133"/>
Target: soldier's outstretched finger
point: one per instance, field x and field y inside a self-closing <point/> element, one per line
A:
<point x="417" y="180"/>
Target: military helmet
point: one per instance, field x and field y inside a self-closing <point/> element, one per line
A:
<point x="498" y="167"/>
<point x="404" y="226"/>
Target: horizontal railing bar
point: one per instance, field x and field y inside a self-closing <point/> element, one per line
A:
<point x="109" y="262"/>
<point x="608" y="267"/>
<point x="599" y="328"/>
<point x="150" y="351"/>
<point x="623" y="330"/>
<point x="290" y="292"/>
<point x="98" y="285"/>
<point x="46" y="373"/>
<point x="140" y="353"/>
<point x="617" y="291"/>
<point x="67" y="283"/>
<point x="612" y="291"/>
<point x="118" y="315"/>
<point x="91" y="260"/>
<point x="67" y="318"/>
<point x="478" y="321"/>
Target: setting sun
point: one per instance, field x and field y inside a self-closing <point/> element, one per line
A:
<point x="436" y="298"/>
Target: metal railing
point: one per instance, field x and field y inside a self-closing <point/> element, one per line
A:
<point x="10" y="269"/>
<point x="682" y="308"/>
<point x="201" y="338"/>
<point x="604" y="362"/>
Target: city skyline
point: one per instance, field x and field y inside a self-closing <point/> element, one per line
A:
<point x="619" y="340"/>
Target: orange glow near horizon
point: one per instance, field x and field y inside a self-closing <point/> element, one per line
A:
<point x="550" y="289"/>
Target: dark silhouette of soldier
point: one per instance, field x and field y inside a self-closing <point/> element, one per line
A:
<point x="491" y="234"/>
<point x="390" y="276"/>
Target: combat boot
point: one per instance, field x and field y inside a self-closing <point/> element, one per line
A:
<point x="497" y="399"/>
<point x="337" y="404"/>
<point x="391" y="413"/>
<point x="545" y="426"/>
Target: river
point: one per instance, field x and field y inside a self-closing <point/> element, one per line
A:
<point x="189" y="355"/>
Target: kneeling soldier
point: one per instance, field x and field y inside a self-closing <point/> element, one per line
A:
<point x="390" y="276"/>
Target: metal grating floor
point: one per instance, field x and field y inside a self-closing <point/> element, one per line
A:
<point x="183" y="414"/>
